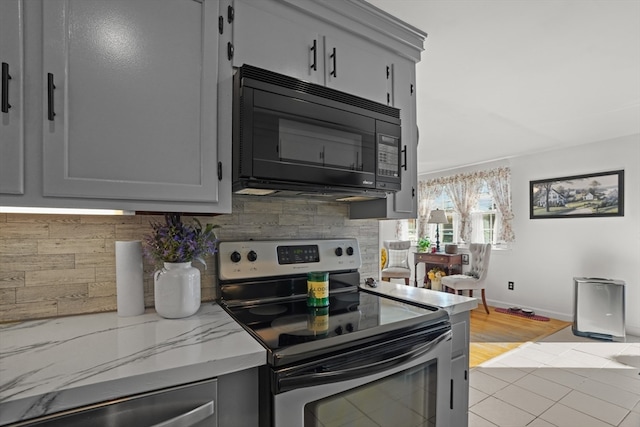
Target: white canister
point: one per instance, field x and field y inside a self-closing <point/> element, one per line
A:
<point x="129" y="283"/>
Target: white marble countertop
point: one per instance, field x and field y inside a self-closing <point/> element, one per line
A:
<point x="452" y="303"/>
<point x="61" y="363"/>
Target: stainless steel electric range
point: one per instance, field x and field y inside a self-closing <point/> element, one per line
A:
<point x="363" y="359"/>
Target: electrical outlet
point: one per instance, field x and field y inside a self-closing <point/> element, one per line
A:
<point x="510" y="286"/>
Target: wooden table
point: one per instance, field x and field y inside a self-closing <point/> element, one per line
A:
<point x="452" y="263"/>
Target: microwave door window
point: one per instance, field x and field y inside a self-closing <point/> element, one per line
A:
<point x="305" y="143"/>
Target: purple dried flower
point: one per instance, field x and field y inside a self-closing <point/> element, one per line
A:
<point x="175" y="241"/>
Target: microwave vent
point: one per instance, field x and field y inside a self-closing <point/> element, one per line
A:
<point x="265" y="76"/>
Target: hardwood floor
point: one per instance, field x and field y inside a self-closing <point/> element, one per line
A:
<point x="496" y="333"/>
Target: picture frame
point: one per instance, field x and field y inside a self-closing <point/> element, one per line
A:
<point x="590" y="195"/>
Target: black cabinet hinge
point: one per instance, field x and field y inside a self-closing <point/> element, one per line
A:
<point x="413" y="194"/>
<point x="388" y="72"/>
<point x="219" y="171"/>
<point x="230" y="51"/>
<point x="411" y="89"/>
<point x="220" y="24"/>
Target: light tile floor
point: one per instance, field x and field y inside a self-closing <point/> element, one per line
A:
<point x="562" y="381"/>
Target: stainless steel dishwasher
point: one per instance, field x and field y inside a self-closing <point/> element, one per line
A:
<point x="190" y="405"/>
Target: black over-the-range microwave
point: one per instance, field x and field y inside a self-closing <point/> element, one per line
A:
<point x="292" y="137"/>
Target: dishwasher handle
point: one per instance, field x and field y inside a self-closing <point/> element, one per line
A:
<point x="190" y="418"/>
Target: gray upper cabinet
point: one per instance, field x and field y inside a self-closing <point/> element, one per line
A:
<point x="404" y="203"/>
<point x="12" y="94"/>
<point x="291" y="41"/>
<point x="352" y="66"/>
<point x="346" y="45"/>
<point x="270" y="35"/>
<point x="129" y="99"/>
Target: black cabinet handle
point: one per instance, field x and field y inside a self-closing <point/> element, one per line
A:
<point x="314" y="49"/>
<point x="231" y="14"/>
<point x="404" y="153"/>
<point x="451" y="395"/>
<point x="220" y="24"/>
<point x="50" y="87"/>
<point x="5" y="87"/>
<point x="334" y="59"/>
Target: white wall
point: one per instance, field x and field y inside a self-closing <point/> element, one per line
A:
<point x="549" y="253"/>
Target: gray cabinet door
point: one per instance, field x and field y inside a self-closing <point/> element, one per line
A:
<point x="460" y="395"/>
<point x="12" y="92"/>
<point x="278" y="38"/>
<point x="405" y="201"/>
<point x="129" y="97"/>
<point x="356" y="67"/>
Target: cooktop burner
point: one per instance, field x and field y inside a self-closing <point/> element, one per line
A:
<point x="268" y="310"/>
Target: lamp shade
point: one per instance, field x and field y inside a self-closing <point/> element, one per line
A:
<point x="437" y="217"/>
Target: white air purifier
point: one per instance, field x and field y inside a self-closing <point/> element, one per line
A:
<point x="599" y="308"/>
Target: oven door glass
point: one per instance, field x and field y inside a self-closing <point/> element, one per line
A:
<point x="410" y="389"/>
<point x="407" y="398"/>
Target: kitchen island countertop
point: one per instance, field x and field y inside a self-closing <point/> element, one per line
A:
<point x="55" y="364"/>
<point x="452" y="303"/>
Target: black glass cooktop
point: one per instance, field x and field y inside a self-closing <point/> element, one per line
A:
<point x="357" y="314"/>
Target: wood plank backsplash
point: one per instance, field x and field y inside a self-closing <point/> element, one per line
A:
<point x="59" y="265"/>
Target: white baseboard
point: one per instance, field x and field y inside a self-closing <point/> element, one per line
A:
<point x="567" y="317"/>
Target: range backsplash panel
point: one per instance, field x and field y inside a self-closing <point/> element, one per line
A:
<point x="59" y="265"/>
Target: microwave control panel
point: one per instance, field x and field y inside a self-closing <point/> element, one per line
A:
<point x="388" y="156"/>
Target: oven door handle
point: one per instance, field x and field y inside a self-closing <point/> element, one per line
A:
<point x="319" y="378"/>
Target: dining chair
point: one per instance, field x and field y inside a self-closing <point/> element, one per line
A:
<point x="475" y="279"/>
<point x="397" y="265"/>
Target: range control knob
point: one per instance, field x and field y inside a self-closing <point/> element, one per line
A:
<point x="338" y="251"/>
<point x="235" y="256"/>
<point x="339" y="330"/>
<point x="349" y="251"/>
<point x="252" y="256"/>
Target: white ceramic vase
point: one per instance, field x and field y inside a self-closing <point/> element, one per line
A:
<point x="177" y="290"/>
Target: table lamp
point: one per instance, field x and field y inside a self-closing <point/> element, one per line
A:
<point x="437" y="217"/>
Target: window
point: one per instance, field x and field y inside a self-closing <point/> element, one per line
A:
<point x="479" y="210"/>
<point x="483" y="219"/>
<point x="486" y="212"/>
<point x="412" y="233"/>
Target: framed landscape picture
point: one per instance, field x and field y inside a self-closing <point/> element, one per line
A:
<point x="590" y="195"/>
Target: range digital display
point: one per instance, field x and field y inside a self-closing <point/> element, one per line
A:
<point x="298" y="254"/>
